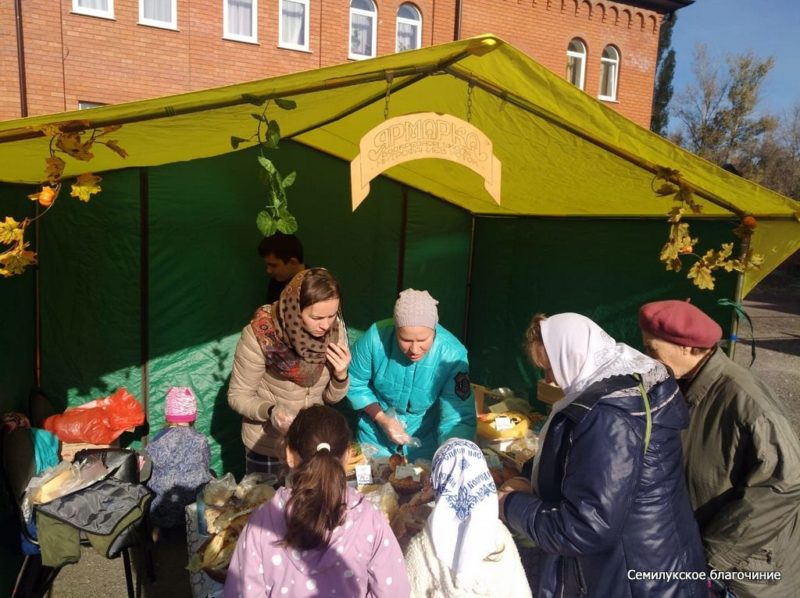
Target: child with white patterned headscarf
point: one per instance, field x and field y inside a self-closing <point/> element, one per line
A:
<point x="464" y="549"/>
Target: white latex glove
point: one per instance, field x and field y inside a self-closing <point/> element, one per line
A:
<point x="393" y="429"/>
<point x="281" y="419"/>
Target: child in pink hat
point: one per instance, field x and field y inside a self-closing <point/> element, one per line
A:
<point x="181" y="460"/>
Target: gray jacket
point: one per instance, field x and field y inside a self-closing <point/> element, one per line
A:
<point x="743" y="474"/>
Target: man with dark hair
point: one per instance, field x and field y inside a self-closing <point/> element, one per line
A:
<point x="283" y="256"/>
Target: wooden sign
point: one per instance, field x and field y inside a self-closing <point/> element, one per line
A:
<point x="423" y="135"/>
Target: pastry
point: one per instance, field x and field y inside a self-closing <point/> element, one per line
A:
<point x="487" y="425"/>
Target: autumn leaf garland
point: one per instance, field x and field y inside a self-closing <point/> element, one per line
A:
<point x="75" y="139"/>
<point x="680" y="244"/>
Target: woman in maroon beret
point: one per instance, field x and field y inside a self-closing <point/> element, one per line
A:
<point x="742" y="455"/>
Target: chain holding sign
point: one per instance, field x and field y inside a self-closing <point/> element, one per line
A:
<point x="423" y="135"/>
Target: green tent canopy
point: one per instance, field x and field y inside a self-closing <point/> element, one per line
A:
<point x="149" y="284"/>
<point x="563" y="152"/>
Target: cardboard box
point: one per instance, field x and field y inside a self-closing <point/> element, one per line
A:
<point x="68" y="449"/>
<point x="547" y="393"/>
<point x="480" y="394"/>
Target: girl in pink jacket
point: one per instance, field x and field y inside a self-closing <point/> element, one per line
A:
<point x="319" y="537"/>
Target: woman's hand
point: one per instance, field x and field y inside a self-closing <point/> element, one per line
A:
<point x="393" y="429"/>
<point x="281" y="419"/>
<point x="517" y="484"/>
<point x="339" y="358"/>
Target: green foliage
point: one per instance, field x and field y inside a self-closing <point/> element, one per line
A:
<point x="275" y="217"/>
<point x="665" y="72"/>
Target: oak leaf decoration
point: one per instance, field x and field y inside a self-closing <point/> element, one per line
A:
<point x="16" y="260"/>
<point x="11" y="231"/>
<point x="85" y="186"/>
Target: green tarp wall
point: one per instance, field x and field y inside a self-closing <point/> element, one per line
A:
<point x="204" y="278"/>
<point x="17" y="309"/>
<point x="603" y="268"/>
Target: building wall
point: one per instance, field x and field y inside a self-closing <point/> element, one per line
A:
<point x="73" y="57"/>
<point x="543" y="29"/>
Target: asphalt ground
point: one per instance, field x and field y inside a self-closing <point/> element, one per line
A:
<point x="774" y="307"/>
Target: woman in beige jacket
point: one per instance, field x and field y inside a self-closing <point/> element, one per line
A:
<point x="291" y="355"/>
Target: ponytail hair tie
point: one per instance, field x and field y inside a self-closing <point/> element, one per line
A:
<point x="323" y="445"/>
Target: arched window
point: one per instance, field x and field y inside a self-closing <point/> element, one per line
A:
<point x="576" y="63"/>
<point x="409" y="28"/>
<point x="609" y="73"/>
<point x="363" y="28"/>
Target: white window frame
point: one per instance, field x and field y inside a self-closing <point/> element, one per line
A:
<point x="372" y="15"/>
<point x="103" y="14"/>
<point x="612" y="63"/>
<point x="581" y="57"/>
<point x="253" y="39"/>
<point x="86" y="105"/>
<point x="405" y="21"/>
<point x="160" y="24"/>
<point x="288" y="45"/>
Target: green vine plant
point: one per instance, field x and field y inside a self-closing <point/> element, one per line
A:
<point x="275" y="217"/>
<point x="73" y="139"/>
<point x="681" y="244"/>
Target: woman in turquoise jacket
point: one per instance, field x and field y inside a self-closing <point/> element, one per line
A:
<point x="409" y="377"/>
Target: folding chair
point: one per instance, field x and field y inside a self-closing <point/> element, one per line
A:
<point x="35" y="579"/>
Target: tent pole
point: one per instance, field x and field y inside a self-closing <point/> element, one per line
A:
<point x="37" y="308"/>
<point x="737" y="297"/>
<point x="401" y="258"/>
<point x="144" y="285"/>
<point x="470" y="260"/>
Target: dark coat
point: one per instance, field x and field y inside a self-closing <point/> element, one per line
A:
<point x="743" y="473"/>
<point x="607" y="509"/>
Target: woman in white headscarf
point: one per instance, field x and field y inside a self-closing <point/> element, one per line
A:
<point x="464" y="549"/>
<point x="608" y="500"/>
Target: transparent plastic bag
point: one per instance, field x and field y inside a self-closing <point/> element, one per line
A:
<point x="256" y="488"/>
<point x="383" y="497"/>
<point x="65" y="478"/>
<point x="413" y="442"/>
<point x="217" y="492"/>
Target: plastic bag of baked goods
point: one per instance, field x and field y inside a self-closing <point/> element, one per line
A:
<point x="217" y="492"/>
<point x="383" y="497"/>
<point x="256" y="488"/>
<point x="65" y="478"/>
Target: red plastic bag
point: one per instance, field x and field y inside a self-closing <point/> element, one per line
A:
<point x="97" y="422"/>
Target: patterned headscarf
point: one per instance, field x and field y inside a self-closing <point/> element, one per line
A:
<point x="290" y="352"/>
<point x="463" y="523"/>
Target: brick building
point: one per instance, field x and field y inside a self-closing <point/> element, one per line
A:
<point x="109" y="51"/>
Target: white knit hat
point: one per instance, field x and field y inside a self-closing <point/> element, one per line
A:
<point x="416" y="308"/>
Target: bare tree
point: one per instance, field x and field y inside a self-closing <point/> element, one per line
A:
<point x="718" y="111"/>
<point x="776" y="161"/>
